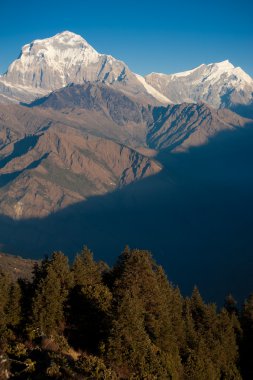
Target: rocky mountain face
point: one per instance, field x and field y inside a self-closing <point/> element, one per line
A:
<point x="87" y="140"/>
<point x="46" y="164"/>
<point x="219" y="84"/>
<point x="179" y="127"/>
<point x="98" y="109"/>
<point x="172" y="128"/>
<point x="120" y="108"/>
<point x="52" y="63"/>
<point x="86" y="125"/>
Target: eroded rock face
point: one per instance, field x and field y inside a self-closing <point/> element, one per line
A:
<point x="100" y="110"/>
<point x="99" y="97"/>
<point x="56" y="165"/>
<point x="180" y="127"/>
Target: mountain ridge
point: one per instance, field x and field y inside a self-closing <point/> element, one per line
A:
<point x="220" y="85"/>
<point x="190" y="124"/>
<point x="90" y="139"/>
<point x="52" y="63"/>
<point x="46" y="65"/>
<point x="49" y="160"/>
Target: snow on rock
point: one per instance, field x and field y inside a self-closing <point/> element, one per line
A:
<point x="49" y="64"/>
<point x="218" y="84"/>
<point x="151" y="90"/>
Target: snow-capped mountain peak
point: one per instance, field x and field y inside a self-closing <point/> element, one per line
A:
<point x="61" y="46"/>
<point x="45" y="65"/>
<point x="223" y="65"/>
<point x="186" y="73"/>
<point x="63" y="38"/>
<point x="49" y="64"/>
<point x="219" y="84"/>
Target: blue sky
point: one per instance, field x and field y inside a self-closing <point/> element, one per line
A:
<point x="161" y="36"/>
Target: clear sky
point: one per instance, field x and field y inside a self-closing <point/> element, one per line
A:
<point x="161" y="36"/>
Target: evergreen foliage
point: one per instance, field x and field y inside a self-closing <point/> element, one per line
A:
<point x="53" y="281"/>
<point x="247" y="339"/>
<point x="87" y="321"/>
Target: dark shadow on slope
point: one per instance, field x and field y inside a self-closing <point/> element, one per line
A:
<point x="243" y="110"/>
<point x="199" y="227"/>
<point x="160" y="138"/>
<point x="9" y="177"/>
<point x="20" y="148"/>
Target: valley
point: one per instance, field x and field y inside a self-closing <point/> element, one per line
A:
<point x="92" y="153"/>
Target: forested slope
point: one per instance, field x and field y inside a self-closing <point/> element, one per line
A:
<point x="89" y="321"/>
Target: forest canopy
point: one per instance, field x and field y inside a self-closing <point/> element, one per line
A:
<point x="85" y="320"/>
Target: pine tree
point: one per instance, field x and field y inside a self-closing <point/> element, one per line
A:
<point x="226" y="355"/>
<point x="10" y="310"/>
<point x="4" y="300"/>
<point x="129" y="347"/>
<point x="13" y="306"/>
<point x="90" y="300"/>
<point x="231" y="305"/>
<point x="246" y="350"/>
<point x="137" y="274"/>
<point x="128" y="322"/>
<point x="172" y="310"/>
<point x="85" y="270"/>
<point x="51" y="292"/>
<point x="210" y="341"/>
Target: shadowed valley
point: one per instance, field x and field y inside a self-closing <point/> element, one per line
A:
<point x="75" y="182"/>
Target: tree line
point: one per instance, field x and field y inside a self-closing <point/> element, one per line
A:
<point x="89" y="321"/>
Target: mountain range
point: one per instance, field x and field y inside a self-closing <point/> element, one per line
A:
<point x="219" y="84"/>
<point x="50" y="64"/>
<point x="91" y="139"/>
<point x="47" y="65"/>
<point x="75" y="123"/>
<point x="92" y="152"/>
